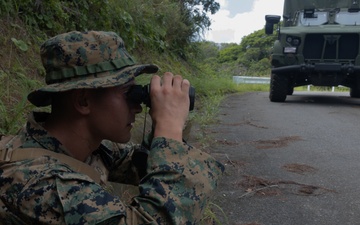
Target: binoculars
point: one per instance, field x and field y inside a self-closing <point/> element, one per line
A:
<point x="141" y="94"/>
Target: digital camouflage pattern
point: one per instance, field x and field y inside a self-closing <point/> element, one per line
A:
<point x="42" y="190"/>
<point x="94" y="59"/>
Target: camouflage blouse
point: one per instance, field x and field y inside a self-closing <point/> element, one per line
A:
<point x="174" y="183"/>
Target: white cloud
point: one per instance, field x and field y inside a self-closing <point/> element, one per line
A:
<point x="225" y="29"/>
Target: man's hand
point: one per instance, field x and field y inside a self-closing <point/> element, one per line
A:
<point x="169" y="105"/>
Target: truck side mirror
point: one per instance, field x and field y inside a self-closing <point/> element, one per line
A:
<point x="270" y="21"/>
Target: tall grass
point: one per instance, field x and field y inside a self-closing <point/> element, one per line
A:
<point x="13" y="102"/>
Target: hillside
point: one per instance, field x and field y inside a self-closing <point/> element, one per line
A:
<point x="157" y="33"/>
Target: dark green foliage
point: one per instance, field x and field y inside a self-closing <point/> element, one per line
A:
<point x="230" y="53"/>
<point x="166" y="25"/>
<point x="259" y="40"/>
<point x="209" y="51"/>
<point x="53" y="16"/>
<point x="249" y="58"/>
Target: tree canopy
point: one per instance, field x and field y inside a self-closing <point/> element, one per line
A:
<point x="251" y="57"/>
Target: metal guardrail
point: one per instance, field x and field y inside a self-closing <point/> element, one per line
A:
<point x="251" y="80"/>
<point x="260" y="80"/>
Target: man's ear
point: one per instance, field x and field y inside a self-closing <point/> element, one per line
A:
<point x="80" y="100"/>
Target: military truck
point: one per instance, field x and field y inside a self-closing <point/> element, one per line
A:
<point x="317" y="44"/>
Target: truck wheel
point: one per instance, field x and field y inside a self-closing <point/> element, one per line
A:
<point x="290" y="90"/>
<point x="278" y="88"/>
<point x="355" y="92"/>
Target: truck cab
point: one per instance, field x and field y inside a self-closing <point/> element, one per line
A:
<point x="317" y="44"/>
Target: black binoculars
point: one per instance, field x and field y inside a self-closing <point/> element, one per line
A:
<point x="141" y="94"/>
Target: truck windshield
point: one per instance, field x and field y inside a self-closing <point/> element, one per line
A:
<point x="322" y="17"/>
<point x="348" y="18"/>
<point x="318" y="18"/>
<point x="296" y="12"/>
<point x="292" y="6"/>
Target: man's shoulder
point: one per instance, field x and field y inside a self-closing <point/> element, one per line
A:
<point x="40" y="166"/>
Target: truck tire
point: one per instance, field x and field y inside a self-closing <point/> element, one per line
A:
<point x="290" y="90"/>
<point x="278" y="88"/>
<point x="355" y="92"/>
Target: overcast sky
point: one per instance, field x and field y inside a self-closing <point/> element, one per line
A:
<point x="237" y="18"/>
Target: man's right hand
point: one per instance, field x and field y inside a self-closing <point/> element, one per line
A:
<point x="169" y="105"/>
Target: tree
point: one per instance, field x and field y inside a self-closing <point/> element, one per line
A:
<point x="194" y="22"/>
<point x="258" y="39"/>
<point x="230" y="53"/>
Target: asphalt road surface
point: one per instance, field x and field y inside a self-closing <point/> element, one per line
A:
<point x="293" y="163"/>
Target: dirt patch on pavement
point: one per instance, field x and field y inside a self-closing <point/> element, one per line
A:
<point x="276" y="143"/>
<point x="299" y="168"/>
<point x="246" y="122"/>
<point x="227" y="142"/>
<point x="264" y="187"/>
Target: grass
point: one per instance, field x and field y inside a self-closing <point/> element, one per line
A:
<point x="252" y="87"/>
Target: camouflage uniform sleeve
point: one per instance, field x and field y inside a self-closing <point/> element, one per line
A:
<point x="178" y="183"/>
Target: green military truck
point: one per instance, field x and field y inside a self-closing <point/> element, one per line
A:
<point x="318" y="44"/>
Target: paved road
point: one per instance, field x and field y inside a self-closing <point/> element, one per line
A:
<point x="292" y="163"/>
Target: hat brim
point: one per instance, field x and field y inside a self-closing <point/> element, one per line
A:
<point x="42" y="97"/>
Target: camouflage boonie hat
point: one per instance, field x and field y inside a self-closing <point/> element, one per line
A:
<point x="94" y="59"/>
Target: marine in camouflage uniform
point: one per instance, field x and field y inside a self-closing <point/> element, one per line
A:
<point x="41" y="183"/>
